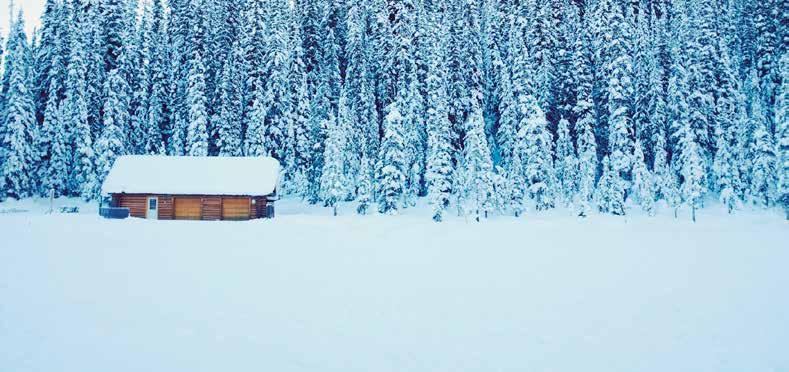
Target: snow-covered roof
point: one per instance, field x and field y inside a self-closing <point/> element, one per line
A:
<point x="183" y="175"/>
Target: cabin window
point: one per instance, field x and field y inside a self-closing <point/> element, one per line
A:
<point x="152" y="204"/>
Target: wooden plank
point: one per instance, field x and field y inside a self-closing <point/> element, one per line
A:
<point x="137" y="204"/>
<point x="212" y="208"/>
<point x="166" y="207"/>
<point x="188" y="208"/>
<point x="235" y="208"/>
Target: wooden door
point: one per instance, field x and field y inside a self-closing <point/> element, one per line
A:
<point x="235" y="208"/>
<point x="187" y="208"/>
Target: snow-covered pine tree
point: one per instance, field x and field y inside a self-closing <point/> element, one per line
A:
<point x="692" y="167"/>
<point x="359" y="85"/>
<point x="439" y="141"/>
<point x="255" y="138"/>
<point x="605" y="202"/>
<point x="643" y="182"/>
<point x="94" y="62"/>
<point x="516" y="181"/>
<point x="725" y="171"/>
<point x="49" y="68"/>
<point x="18" y="118"/>
<point x="54" y="153"/>
<point x="365" y="191"/>
<point x="83" y="171"/>
<point x="298" y="165"/>
<point x="156" y="117"/>
<point x="320" y="106"/>
<point x="782" y="135"/>
<point x="391" y="167"/>
<point x="620" y="125"/>
<point x="665" y="179"/>
<point x="277" y="55"/>
<point x="584" y="110"/>
<point x="566" y="164"/>
<point x="230" y="97"/>
<point x="763" y="171"/>
<point x="479" y="167"/>
<point x="141" y="94"/>
<point x="768" y="28"/>
<point x="197" y="132"/>
<point x="538" y="154"/>
<point x="587" y="157"/>
<point x="333" y="175"/>
<point x="112" y="142"/>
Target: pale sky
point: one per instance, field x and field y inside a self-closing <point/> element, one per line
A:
<point x="31" y="8"/>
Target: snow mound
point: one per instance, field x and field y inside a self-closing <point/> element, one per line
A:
<point x="193" y="175"/>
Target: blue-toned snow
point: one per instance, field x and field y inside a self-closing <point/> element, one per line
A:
<point x="310" y="293"/>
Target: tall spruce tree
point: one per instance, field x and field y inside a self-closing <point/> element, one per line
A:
<point x="18" y="117"/>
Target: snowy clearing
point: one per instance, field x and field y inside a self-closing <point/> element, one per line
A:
<point x="307" y="292"/>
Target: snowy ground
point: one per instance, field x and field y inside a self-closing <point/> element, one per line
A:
<point x="307" y="292"/>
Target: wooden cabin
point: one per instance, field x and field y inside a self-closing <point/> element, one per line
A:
<point x="193" y="188"/>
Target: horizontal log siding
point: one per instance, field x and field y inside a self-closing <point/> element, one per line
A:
<point x="166" y="207"/>
<point x="187" y="208"/>
<point x="236" y="208"/>
<point x="212" y="208"/>
<point x="137" y="204"/>
<point x="195" y="207"/>
<point x="258" y="210"/>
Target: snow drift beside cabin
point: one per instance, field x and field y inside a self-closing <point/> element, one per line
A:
<point x="252" y="176"/>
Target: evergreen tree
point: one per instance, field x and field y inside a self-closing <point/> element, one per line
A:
<point x="584" y="111"/>
<point x="255" y="139"/>
<point x="620" y="90"/>
<point x="439" y="156"/>
<point x="643" y="183"/>
<point x="762" y="152"/>
<point x="516" y="180"/>
<point x="82" y="173"/>
<point x="299" y="132"/>
<point x="112" y="142"/>
<point x="566" y="163"/>
<point x="277" y="78"/>
<point x="538" y="153"/>
<point x="587" y="157"/>
<point x="333" y="175"/>
<point x="18" y="118"/>
<point x="365" y="186"/>
<point x="479" y="168"/>
<point x="391" y="167"/>
<point x="230" y="97"/>
<point x="782" y="136"/>
<point x="691" y="166"/>
<point x="197" y="134"/>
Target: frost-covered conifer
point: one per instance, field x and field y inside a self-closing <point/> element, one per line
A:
<point x="365" y="192"/>
<point x="255" y="138"/>
<point x="782" y="136"/>
<point x="332" y="177"/>
<point x="18" y="118"/>
<point x="197" y="132"/>
<point x="566" y="163"/>
<point x="111" y="143"/>
<point x="762" y="152"/>
<point x="691" y="165"/>
<point x="643" y="182"/>
<point x="479" y="168"/>
<point x="391" y="168"/>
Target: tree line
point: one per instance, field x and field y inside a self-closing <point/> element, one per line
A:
<point x="482" y="106"/>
